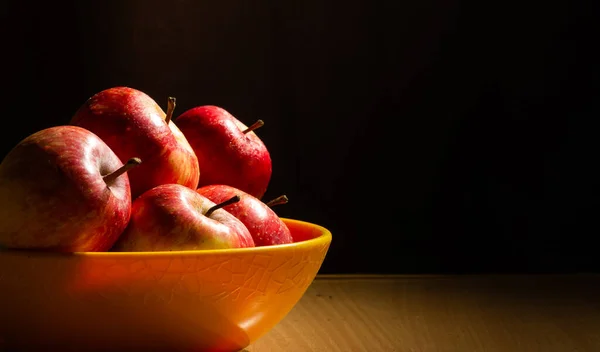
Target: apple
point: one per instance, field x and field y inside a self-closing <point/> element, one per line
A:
<point x="132" y="123"/>
<point x="63" y="189"/>
<point x="263" y="223"/>
<point x="172" y="217"/>
<point x="228" y="151"/>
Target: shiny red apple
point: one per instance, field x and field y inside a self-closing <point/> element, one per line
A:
<point x="228" y="151"/>
<point x="63" y="189"/>
<point x="264" y="224"/>
<point x="173" y="217"/>
<point x="132" y="123"/>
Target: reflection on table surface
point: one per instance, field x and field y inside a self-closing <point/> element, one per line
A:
<point x="549" y="313"/>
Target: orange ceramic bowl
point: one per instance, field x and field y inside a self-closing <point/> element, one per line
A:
<point x="212" y="300"/>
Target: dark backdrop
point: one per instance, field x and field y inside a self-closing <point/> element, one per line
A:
<point x="428" y="136"/>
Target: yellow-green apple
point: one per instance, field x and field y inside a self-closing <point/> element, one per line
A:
<point x="228" y="151"/>
<point x="173" y="217"/>
<point x="63" y="189"/>
<point x="264" y="224"/>
<point x="132" y="123"/>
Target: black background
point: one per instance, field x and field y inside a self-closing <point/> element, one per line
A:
<point x="428" y="136"/>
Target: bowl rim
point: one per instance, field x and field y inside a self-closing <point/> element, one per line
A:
<point x="322" y="239"/>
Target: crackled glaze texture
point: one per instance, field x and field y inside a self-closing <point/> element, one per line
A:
<point x="213" y="300"/>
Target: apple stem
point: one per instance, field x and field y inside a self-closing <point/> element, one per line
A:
<point x="283" y="199"/>
<point x="231" y="200"/>
<point x="254" y="126"/>
<point x="170" y="108"/>
<point x="131" y="163"/>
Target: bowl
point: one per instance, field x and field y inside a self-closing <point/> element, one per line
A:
<point x="209" y="300"/>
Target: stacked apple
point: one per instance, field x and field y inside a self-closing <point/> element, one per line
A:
<point x="124" y="175"/>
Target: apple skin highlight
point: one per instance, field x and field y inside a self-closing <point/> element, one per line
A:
<point x="171" y="217"/>
<point x="55" y="197"/>
<point x="226" y="154"/>
<point x="133" y="124"/>
<point x="262" y="222"/>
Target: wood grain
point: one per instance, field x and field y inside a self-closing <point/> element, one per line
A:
<point x="442" y="313"/>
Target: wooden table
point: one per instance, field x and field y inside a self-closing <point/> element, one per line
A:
<point x="546" y="313"/>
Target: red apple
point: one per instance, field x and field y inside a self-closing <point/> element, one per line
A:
<point x="228" y="151"/>
<point x="132" y="123"/>
<point x="172" y="217"/>
<point x="63" y="189"/>
<point x="263" y="223"/>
